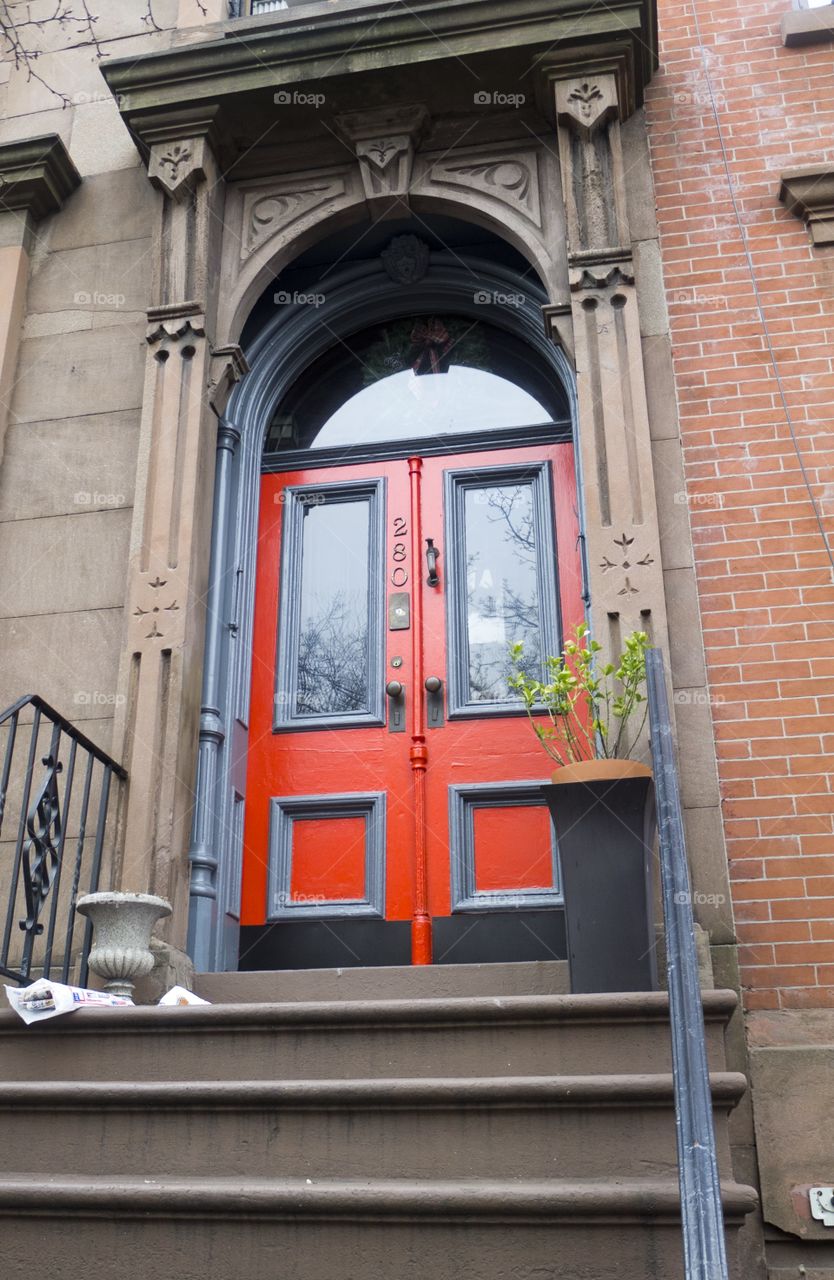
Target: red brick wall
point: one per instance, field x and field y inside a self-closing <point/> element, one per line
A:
<point x="765" y="580"/>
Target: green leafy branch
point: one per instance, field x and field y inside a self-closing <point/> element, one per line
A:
<point x="591" y="708"/>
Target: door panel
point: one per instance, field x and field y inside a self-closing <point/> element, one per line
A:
<point x="527" y="550"/>
<point x="421" y="803"/>
<point x="315" y="594"/>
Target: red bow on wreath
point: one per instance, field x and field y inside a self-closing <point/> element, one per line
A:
<point x="432" y="344"/>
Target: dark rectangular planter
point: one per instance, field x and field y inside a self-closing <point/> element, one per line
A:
<point x="605" y="830"/>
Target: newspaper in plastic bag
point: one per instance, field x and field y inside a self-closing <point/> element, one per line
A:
<point x="46" y="999"/>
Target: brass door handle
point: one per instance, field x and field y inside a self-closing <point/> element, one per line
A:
<point x="394" y="689"/>
<point x="434" y="684"/>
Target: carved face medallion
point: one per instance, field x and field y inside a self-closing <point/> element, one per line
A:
<point x="406" y="259"/>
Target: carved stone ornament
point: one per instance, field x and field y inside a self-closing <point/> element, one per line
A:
<point x="600" y="275"/>
<point x="175" y="322"/>
<point x="156" y="613"/>
<point x="268" y="211"/>
<point x="627" y="562"/>
<point x="228" y="366"/>
<point x="558" y="321"/>
<point x="177" y="166"/>
<point x="511" y="180"/>
<point x="406" y="259"/>
<point x="385" y="142"/>
<point x="585" y="104"/>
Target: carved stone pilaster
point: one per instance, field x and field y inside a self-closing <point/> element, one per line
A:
<point x="601" y="326"/>
<point x="385" y="142"/>
<point x="187" y="381"/>
<point x="622" y="532"/>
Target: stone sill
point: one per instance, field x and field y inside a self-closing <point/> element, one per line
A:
<point x="801" y="27"/>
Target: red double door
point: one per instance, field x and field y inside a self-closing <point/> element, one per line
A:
<point x="392" y="788"/>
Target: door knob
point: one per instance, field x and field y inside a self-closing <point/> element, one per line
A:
<point x="394" y="689"/>
<point x="434" y="684"/>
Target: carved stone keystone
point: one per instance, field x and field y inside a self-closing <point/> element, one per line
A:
<point x="385" y="143"/>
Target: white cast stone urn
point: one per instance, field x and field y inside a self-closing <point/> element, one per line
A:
<point x="122" y="925"/>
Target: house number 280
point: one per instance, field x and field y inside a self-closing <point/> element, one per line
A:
<point x="399" y="555"/>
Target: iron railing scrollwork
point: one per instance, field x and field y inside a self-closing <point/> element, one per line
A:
<point x="59" y="842"/>
<point x="705" y="1254"/>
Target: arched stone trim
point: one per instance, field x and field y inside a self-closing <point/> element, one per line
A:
<point x="515" y="195"/>
<point x="356" y="297"/>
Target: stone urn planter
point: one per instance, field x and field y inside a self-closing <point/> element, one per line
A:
<point x="122" y="926"/>
<point x="603" y="813"/>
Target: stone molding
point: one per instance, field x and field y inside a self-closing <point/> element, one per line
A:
<point x="289" y="51"/>
<point x="808" y="193"/>
<point x="803" y="27"/>
<point x="36" y="175"/>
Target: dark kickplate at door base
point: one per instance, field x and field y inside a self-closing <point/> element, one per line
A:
<point x="494" y="937"/>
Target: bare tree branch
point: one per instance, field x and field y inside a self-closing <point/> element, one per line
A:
<point x="23" y="38"/>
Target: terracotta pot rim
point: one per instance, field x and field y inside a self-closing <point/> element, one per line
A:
<point x="600" y="771"/>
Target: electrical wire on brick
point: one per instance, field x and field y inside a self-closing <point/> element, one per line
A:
<point x="757" y="292"/>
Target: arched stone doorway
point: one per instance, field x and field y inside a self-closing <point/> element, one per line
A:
<point x="440" y="268"/>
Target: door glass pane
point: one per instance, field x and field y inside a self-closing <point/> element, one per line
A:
<point x="332" y="673"/>
<point x="502" y="589"/>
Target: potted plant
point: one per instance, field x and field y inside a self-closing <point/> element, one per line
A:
<point x="589" y="718"/>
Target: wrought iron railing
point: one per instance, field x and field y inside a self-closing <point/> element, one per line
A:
<point x="705" y="1256"/>
<point x="56" y="787"/>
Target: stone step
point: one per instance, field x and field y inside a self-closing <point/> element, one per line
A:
<point x="415" y="982"/>
<point x="156" y="1228"/>
<point x="504" y="1127"/>
<point x="502" y="1036"/>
